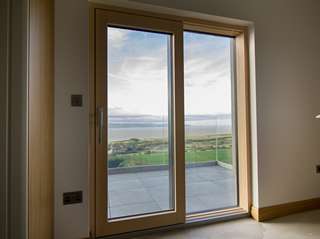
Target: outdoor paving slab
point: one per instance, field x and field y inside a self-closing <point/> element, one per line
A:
<point x="218" y="201"/>
<point x="194" y="204"/>
<point x="161" y="196"/>
<point x="122" y="177"/>
<point x="207" y="188"/>
<point x="193" y="178"/>
<point x="229" y="183"/>
<point x="159" y="192"/>
<point x="134" y="209"/>
<point x="155" y="181"/>
<point x="164" y="204"/>
<point x="152" y="174"/>
<point x="204" y="188"/>
<point x="125" y="184"/>
<point x="133" y="196"/>
<point x="215" y="174"/>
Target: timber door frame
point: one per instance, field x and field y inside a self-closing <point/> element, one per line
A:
<point x="104" y="18"/>
<point x="40" y="119"/>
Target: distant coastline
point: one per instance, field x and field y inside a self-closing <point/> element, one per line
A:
<point x="123" y="127"/>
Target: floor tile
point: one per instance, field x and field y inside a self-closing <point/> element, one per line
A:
<point x="297" y="226"/>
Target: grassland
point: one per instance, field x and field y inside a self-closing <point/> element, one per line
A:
<point x="138" y="152"/>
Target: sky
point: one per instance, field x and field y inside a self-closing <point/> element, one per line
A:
<point x="138" y="73"/>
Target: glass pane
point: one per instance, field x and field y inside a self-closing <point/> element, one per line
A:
<point x="139" y="86"/>
<point x="209" y="144"/>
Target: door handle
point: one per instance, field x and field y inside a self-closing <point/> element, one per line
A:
<point x="100" y="124"/>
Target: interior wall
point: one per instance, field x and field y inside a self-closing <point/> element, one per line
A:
<point x="71" y="123"/>
<point x="285" y="94"/>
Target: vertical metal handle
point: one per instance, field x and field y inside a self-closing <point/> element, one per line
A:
<point x="100" y="124"/>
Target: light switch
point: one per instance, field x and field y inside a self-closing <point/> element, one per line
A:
<point x="76" y="100"/>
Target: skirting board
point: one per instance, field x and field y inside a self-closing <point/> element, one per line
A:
<point x="266" y="213"/>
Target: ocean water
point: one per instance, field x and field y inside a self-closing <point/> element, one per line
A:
<point x="118" y="134"/>
<point x="123" y="127"/>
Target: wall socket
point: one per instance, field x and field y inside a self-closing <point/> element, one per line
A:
<point x="72" y="197"/>
<point x="318" y="168"/>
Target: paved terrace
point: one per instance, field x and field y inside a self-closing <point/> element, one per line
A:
<point x="209" y="187"/>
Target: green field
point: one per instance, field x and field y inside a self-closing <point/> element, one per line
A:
<point x="139" y="152"/>
<point x="161" y="158"/>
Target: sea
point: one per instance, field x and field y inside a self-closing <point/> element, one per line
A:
<point x="124" y="129"/>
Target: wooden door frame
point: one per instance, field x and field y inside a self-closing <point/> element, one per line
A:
<point x="40" y="122"/>
<point x="103" y="227"/>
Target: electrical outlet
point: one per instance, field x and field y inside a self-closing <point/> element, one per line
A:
<point x="318" y="168"/>
<point x="72" y="197"/>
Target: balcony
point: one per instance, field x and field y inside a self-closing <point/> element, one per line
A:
<point x="139" y="179"/>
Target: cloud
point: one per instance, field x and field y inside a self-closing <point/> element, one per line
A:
<point x="117" y="36"/>
<point x="115" y="111"/>
<point x="203" y="71"/>
<point x="207" y="74"/>
<point x="144" y="68"/>
<point x="138" y="74"/>
<point x="206" y="61"/>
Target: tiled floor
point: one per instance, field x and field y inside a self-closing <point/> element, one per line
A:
<point x="298" y="226"/>
<point x="208" y="188"/>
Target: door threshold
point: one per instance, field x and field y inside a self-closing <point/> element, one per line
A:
<point x="193" y="220"/>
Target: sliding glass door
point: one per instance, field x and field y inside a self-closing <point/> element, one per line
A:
<point x="210" y="148"/>
<point x="140" y="165"/>
<point x="140" y="162"/>
<point x="170" y="122"/>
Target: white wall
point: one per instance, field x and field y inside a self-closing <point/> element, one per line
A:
<point x="285" y="99"/>
<point x="71" y="123"/>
